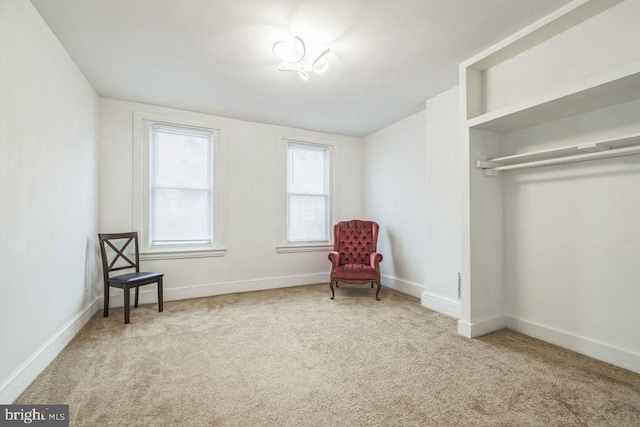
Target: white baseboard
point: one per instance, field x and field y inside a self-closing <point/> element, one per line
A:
<point x="482" y="327"/>
<point x="149" y="295"/>
<point x="404" y="286"/>
<point x="24" y="374"/>
<point x="440" y="304"/>
<point x="601" y="351"/>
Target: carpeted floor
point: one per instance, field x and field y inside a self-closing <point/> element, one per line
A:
<point x="294" y="357"/>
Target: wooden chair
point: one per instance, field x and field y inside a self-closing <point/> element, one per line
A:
<point x="129" y="280"/>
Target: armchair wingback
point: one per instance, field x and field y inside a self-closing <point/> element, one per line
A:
<point x="355" y="258"/>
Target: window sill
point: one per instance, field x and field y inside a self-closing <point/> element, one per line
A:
<point x="315" y="247"/>
<point x="156" y="254"/>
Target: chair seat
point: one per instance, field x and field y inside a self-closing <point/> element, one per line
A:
<point x="133" y="278"/>
<point x="355" y="272"/>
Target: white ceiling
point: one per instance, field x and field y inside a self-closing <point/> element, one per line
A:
<point x="214" y="56"/>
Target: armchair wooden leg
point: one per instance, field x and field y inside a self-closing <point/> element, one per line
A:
<point x="333" y="294"/>
<point x="371" y="285"/>
<point x="127" y="303"/>
<point x="136" y="301"/>
<point x="378" y="290"/>
<point x="106" y="300"/>
<point x="337" y="285"/>
<point x="160" y="301"/>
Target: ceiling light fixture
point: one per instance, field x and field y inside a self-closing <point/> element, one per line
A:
<point x="294" y="55"/>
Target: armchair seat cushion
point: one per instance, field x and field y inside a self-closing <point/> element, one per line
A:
<point x="358" y="272"/>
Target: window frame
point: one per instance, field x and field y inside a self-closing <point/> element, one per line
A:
<point x="143" y="124"/>
<point x="283" y="244"/>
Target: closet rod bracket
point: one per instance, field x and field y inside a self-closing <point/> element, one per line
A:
<point x="486" y="164"/>
<point x="487" y="167"/>
<point x="490" y="172"/>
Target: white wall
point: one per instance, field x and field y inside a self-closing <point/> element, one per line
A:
<point x="602" y="43"/>
<point x="249" y="157"/>
<point x="442" y="172"/>
<point x="556" y="248"/>
<point x="394" y="188"/>
<point x="572" y="234"/>
<point x="48" y="193"/>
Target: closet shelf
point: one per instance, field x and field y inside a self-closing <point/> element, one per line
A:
<point x="604" y="148"/>
<point x="615" y="87"/>
<point x="551" y="25"/>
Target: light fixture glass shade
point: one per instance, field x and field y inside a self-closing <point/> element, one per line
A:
<point x="289" y="51"/>
<point x="320" y="64"/>
<point x="294" y="56"/>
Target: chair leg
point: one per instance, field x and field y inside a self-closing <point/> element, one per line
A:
<point x="378" y="291"/>
<point x="160" y="302"/>
<point x="337" y="285"/>
<point x="127" y="303"/>
<point x="106" y="300"/>
<point x="371" y="285"/>
<point x="333" y="294"/>
<point x="136" y="301"/>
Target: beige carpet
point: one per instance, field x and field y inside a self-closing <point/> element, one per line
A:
<point x="294" y="357"/>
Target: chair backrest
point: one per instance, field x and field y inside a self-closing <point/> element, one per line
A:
<point x="355" y="240"/>
<point x="118" y="242"/>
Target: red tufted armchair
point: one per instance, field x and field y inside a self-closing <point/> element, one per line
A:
<point x="354" y="258"/>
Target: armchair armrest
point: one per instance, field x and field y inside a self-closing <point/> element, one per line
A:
<point x="334" y="257"/>
<point x="375" y="259"/>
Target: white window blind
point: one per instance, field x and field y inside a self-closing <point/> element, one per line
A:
<point x="181" y="210"/>
<point x="307" y="193"/>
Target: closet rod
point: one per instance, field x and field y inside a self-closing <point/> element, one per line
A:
<point x="627" y="151"/>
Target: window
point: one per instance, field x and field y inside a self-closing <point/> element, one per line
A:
<point x="181" y="186"/>
<point x="307" y="202"/>
<point x="307" y="193"/>
<point x="176" y="203"/>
